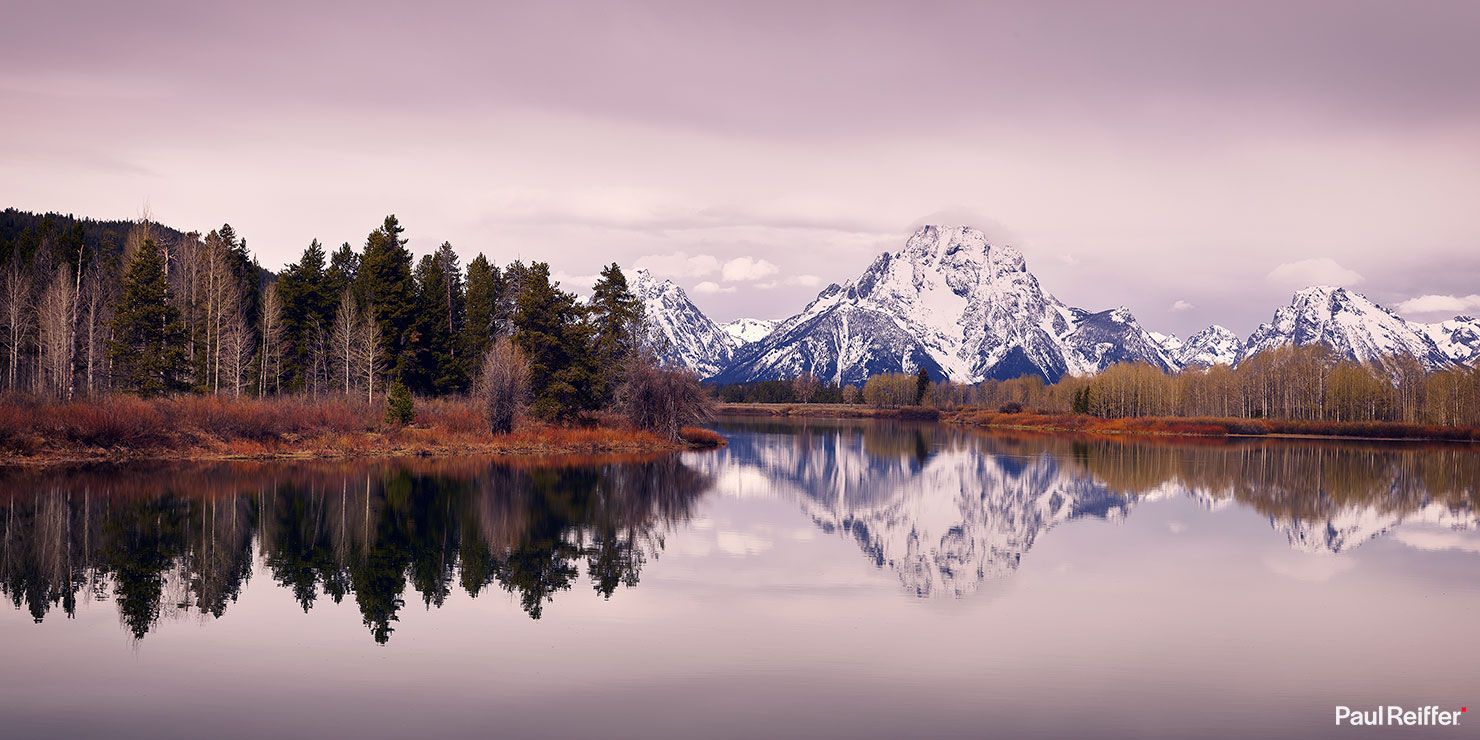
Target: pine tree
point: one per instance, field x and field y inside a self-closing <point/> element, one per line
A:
<point x="617" y="319"/>
<point x="552" y="331"/>
<point x="147" y="349"/>
<point x="303" y="288"/>
<point x="480" y="301"/>
<point x="922" y="385"/>
<point x="384" y="283"/>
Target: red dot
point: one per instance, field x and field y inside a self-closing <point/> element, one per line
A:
<point x="1461" y="709"/>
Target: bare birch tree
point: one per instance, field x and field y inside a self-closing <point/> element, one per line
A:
<point x="344" y="340"/>
<point x="370" y="354"/>
<point x="271" y="358"/>
<point x="15" y="311"/>
<point x="239" y="344"/>
<point x="55" y="338"/>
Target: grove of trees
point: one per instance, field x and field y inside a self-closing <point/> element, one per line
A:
<point x="89" y="308"/>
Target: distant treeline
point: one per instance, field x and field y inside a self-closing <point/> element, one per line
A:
<point x="1309" y="383"/>
<point x="94" y="307"/>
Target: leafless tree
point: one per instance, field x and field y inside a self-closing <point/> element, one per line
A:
<point x="661" y="400"/>
<point x="804" y="387"/>
<point x="55" y="332"/>
<point x="344" y="340"/>
<point x="370" y="354"/>
<point x="318" y="357"/>
<point x="270" y="365"/>
<point x="503" y="387"/>
<point x="16" y="312"/>
<point x="238" y="343"/>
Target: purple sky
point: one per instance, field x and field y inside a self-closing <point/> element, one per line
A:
<point x="1194" y="161"/>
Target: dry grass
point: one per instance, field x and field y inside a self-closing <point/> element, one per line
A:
<point x="696" y="437"/>
<point x="34" y="431"/>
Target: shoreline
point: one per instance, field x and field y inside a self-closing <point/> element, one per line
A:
<point x="537" y="443"/>
<point x="1151" y="426"/>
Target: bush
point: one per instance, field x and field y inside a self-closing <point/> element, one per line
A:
<point x="1011" y="407"/>
<point x="503" y="388"/>
<point x="662" y="400"/>
<point x="399" y="406"/>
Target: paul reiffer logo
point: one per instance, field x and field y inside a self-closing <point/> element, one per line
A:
<point x="1397" y="717"/>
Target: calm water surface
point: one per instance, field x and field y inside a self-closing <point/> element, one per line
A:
<point x="813" y="579"/>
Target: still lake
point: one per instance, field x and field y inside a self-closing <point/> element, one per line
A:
<point x="816" y="578"/>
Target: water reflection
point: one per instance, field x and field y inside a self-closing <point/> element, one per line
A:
<point x="949" y="509"/>
<point x="178" y="541"/>
<point x="945" y="509"/>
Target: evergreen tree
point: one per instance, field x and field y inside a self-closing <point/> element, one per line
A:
<point x="344" y="266"/>
<point x="303" y="288"/>
<point x="480" y="302"/>
<point x="148" y="338"/>
<point x="617" y="319"/>
<point x="384" y="283"/>
<point x="552" y="331"/>
<point x="922" y="385"/>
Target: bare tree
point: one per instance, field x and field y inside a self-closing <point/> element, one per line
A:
<point x="804" y="387"/>
<point x="503" y="387"/>
<point x="93" y="324"/>
<point x="55" y="336"/>
<point x="344" y="340"/>
<point x="370" y="354"/>
<point x="239" y="344"/>
<point x="16" y="312"/>
<point x="318" y="357"/>
<point x="661" y="400"/>
<point x="270" y="365"/>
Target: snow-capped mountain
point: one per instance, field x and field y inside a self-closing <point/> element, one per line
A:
<point x="1214" y="345"/>
<point x="683" y="334"/>
<point x="1170" y="343"/>
<point x="954" y="303"/>
<point x="749" y="331"/>
<point x="1109" y="337"/>
<point x="1349" y="323"/>
<point x="1458" y="338"/>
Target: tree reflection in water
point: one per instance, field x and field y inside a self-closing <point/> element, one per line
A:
<point x="176" y="541"/>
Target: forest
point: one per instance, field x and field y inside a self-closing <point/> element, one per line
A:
<point x="90" y="309"/>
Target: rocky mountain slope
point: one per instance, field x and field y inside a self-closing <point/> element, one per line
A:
<point x="954" y="303"/>
<point x="683" y="334"/>
<point x="1349" y="323"/>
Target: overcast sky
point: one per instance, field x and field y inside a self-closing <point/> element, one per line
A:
<point x="1196" y="162"/>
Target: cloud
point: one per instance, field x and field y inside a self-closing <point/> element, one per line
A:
<point x="801" y="281"/>
<point x="1181" y="306"/>
<point x="1440" y="304"/>
<point x="741" y="543"/>
<point x="1314" y="271"/>
<point x="1069" y="259"/>
<point x="747" y="268"/>
<point x="709" y="286"/>
<point x="1430" y="537"/>
<point x="678" y="264"/>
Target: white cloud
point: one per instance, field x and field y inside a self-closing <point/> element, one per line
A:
<point x="741" y="543"/>
<point x="1176" y="527"/>
<point x="1069" y="259"/>
<point x="1440" y="304"/>
<point x="803" y="281"/>
<point x="709" y="286"/>
<point x="678" y="264"/>
<point x="1181" y="306"/>
<point x="1431" y="537"/>
<point x="1311" y="567"/>
<point x="747" y="268"/>
<point x="1314" y="271"/>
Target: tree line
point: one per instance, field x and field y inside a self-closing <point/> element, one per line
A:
<point x="1305" y="383"/>
<point x="154" y="312"/>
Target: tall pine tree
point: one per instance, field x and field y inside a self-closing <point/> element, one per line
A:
<point x="304" y="290"/>
<point x="148" y="339"/>
<point x="480" y="302"/>
<point x="384" y="283"/>
<point x="552" y="330"/>
<point x="617" y="319"/>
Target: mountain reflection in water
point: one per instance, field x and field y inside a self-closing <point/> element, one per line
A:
<point x="944" y="509"/>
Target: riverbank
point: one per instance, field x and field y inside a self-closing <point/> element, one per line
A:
<point x="125" y="428"/>
<point x="1144" y="426"/>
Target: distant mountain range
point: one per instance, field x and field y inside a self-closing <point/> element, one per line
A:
<point x="963" y="308"/>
